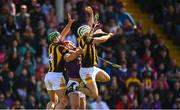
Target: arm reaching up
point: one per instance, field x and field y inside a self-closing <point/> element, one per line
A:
<point x="91" y="16"/>
<point x="67" y="28"/>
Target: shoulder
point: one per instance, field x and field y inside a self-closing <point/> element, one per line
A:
<point x="55" y="45"/>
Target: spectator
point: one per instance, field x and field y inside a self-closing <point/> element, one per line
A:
<point x="9" y="28"/>
<point x="114" y="92"/>
<point x="41" y="71"/>
<point x="157" y="103"/>
<point x="42" y="51"/>
<point x="122" y="74"/>
<point x="161" y="45"/>
<point x="176" y="89"/>
<point x="12" y="7"/>
<point x="122" y="56"/>
<point x="17" y="105"/>
<point x="133" y="80"/>
<point x="103" y="90"/>
<point x="123" y="46"/>
<point x="133" y="57"/>
<point x="30" y="60"/>
<point x="2" y="104"/>
<point x="46" y="7"/>
<point x="145" y="104"/>
<point x="147" y="58"/>
<point x="161" y="83"/>
<point x="163" y="58"/>
<point x="99" y="104"/>
<point x="177" y="23"/>
<point x="177" y="104"/>
<point x="51" y="17"/>
<point x="163" y="91"/>
<point x="152" y="36"/>
<point x="36" y="16"/>
<point x="122" y="15"/>
<point x="145" y="46"/>
<point x="13" y="57"/>
<point x="9" y="82"/>
<point x="27" y="24"/>
<point x="9" y="100"/>
<point x="132" y="96"/>
<point x="124" y="103"/>
<point x="147" y="80"/>
<point x="110" y="13"/>
<point x="29" y="36"/>
<point x="4" y="70"/>
<point x="170" y="100"/>
<point x="113" y="27"/>
<point x="128" y="28"/>
<point x="22" y="16"/>
<point x="31" y="104"/>
<point x="107" y="68"/>
<point x="169" y="19"/>
<point x="31" y="85"/>
<point x="147" y="68"/>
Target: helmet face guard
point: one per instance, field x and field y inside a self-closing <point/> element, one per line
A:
<point x="82" y="30"/>
<point x="53" y="35"/>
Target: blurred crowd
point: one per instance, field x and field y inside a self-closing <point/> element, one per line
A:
<point x="149" y="77"/>
<point x="167" y="13"/>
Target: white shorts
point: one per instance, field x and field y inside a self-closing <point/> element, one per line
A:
<point x="54" y="81"/>
<point x="77" y="83"/>
<point x="89" y="74"/>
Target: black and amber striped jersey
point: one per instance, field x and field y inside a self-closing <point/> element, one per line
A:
<point x="89" y="57"/>
<point x="56" y="54"/>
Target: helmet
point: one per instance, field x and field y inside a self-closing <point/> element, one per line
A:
<point x="82" y="30"/>
<point x="53" y="35"/>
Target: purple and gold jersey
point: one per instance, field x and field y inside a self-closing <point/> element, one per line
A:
<point x="72" y="68"/>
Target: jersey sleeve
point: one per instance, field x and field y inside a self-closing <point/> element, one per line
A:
<point x="63" y="50"/>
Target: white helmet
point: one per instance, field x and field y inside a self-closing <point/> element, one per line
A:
<point x="82" y="30"/>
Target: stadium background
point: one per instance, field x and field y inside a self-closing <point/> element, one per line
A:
<point x="150" y="77"/>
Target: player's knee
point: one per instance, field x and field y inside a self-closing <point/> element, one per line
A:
<point x="107" y="78"/>
<point x="51" y="105"/>
<point x="54" y="100"/>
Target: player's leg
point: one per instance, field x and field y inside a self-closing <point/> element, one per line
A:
<point x="53" y="97"/>
<point x="101" y="75"/>
<point x="74" y="96"/>
<point x="90" y="90"/>
<point x="59" y="86"/>
<point x="63" y="100"/>
<point x="74" y="99"/>
<point x="88" y="77"/>
<point x="53" y="100"/>
<point x="82" y="101"/>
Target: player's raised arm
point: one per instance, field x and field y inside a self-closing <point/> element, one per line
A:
<point x="91" y="16"/>
<point x="102" y="39"/>
<point x="67" y="28"/>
